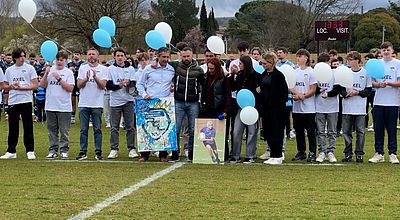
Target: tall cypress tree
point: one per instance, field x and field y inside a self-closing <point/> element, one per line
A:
<point x="203" y="19"/>
<point x="211" y="27"/>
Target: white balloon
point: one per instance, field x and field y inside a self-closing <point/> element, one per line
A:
<point x="289" y="74"/>
<point x="27" y="10"/>
<point x="344" y="76"/>
<point x="165" y="30"/>
<point x="323" y="72"/>
<point x="216" y="45"/>
<point x="249" y="115"/>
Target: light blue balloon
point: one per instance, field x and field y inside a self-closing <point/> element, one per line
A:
<point x="375" y="68"/>
<point x="155" y="40"/>
<point x="49" y="50"/>
<point x="245" y="98"/>
<point x="259" y="68"/>
<point x="102" y="38"/>
<point x="106" y="23"/>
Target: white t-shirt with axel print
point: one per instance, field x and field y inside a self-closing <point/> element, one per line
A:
<point x="355" y="105"/>
<point x="91" y="95"/>
<point x="57" y="98"/>
<point x="24" y="75"/>
<point x="304" y="78"/>
<point x="389" y="96"/>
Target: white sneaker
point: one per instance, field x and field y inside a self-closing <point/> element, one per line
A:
<point x="273" y="161"/>
<point x="292" y="134"/>
<point x="64" y="156"/>
<point x="133" y="154"/>
<point x="283" y="156"/>
<point x="265" y="156"/>
<point x="377" y="158"/>
<point x="31" y="155"/>
<point x="108" y="125"/>
<point x="370" y="128"/>
<point x="393" y="159"/>
<point x="321" y="157"/>
<point x="331" y="157"/>
<point x="9" y="156"/>
<point x="90" y="124"/>
<point x="51" y="156"/>
<point x="113" y="154"/>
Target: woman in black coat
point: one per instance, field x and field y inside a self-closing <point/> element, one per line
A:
<point x="273" y="99"/>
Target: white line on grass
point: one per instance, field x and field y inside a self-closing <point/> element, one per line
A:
<point x="127" y="191"/>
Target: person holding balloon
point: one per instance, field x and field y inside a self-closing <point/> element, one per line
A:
<point x="245" y="79"/>
<point x="20" y="80"/>
<point x="386" y="102"/>
<point x="273" y="99"/>
<point x="304" y="107"/>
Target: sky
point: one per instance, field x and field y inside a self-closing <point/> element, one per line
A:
<point x="228" y="8"/>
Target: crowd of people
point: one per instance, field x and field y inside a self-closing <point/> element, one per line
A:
<point x="108" y="89"/>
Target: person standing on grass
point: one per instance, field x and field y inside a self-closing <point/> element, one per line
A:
<point x="21" y="80"/>
<point x="59" y="83"/>
<point x="304" y="107"/>
<point x="74" y="67"/>
<point x="354" y="101"/>
<point x="122" y="86"/>
<point x="326" y="109"/>
<point x="92" y="79"/>
<point x="246" y="78"/>
<point x="386" y="106"/>
<point x="156" y="82"/>
<point x="273" y="99"/>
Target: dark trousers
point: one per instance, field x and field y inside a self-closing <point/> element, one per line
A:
<point x="385" y="117"/>
<point x="339" y="121"/>
<point x="40" y="112"/>
<point x="274" y="127"/>
<point x="14" y="112"/>
<point x="162" y="154"/>
<point x="305" y="121"/>
<point x="286" y="116"/>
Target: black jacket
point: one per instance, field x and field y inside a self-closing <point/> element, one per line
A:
<point x="187" y="81"/>
<point x="274" y="91"/>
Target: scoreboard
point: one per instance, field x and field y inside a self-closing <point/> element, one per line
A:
<point x="332" y="30"/>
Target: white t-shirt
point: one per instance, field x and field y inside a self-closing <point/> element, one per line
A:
<point x="91" y="96"/>
<point x="24" y="75"/>
<point x="389" y="96"/>
<point x="57" y="98"/>
<point x="304" y="78"/>
<point x="328" y="104"/>
<point x="355" y="105"/>
<point x="117" y="74"/>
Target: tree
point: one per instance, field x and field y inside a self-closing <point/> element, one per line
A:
<point x="79" y="18"/>
<point x="369" y="30"/>
<point x="266" y="24"/>
<point x="212" y="24"/>
<point x="203" y="19"/>
<point x="195" y="40"/>
<point x="180" y="15"/>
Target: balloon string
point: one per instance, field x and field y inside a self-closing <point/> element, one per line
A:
<point x="49" y="38"/>
<point x="177" y="50"/>
<point x="116" y="42"/>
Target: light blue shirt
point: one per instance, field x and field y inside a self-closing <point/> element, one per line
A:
<point x="288" y="62"/>
<point x="156" y="82"/>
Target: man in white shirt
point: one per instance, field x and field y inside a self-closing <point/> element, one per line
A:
<point x="59" y="82"/>
<point x="122" y="83"/>
<point x="20" y="80"/>
<point x="386" y="106"/>
<point x="92" y="79"/>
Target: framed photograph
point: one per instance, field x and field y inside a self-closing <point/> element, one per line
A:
<point x="155" y="124"/>
<point x="209" y="141"/>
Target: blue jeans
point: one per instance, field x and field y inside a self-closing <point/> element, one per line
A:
<point x="385" y="117"/>
<point x="191" y="109"/>
<point x="84" y="115"/>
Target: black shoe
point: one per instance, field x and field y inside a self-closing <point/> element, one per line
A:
<point x="81" y="156"/>
<point x="359" y="158"/>
<point x="299" y="156"/>
<point x="311" y="157"/>
<point x="261" y="134"/>
<point x="98" y="156"/>
<point x="347" y="158"/>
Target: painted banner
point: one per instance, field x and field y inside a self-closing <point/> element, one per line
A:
<point x="209" y="142"/>
<point x="155" y="124"/>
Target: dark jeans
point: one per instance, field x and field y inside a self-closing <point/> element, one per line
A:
<point x="348" y="123"/>
<point x="85" y="114"/>
<point x="385" y="117"/>
<point x="287" y="112"/>
<point x="14" y="112"/>
<point x="370" y="100"/>
<point x="339" y="120"/>
<point x="306" y="121"/>
<point x="40" y="112"/>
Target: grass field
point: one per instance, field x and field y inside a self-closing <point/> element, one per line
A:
<point x="43" y="189"/>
